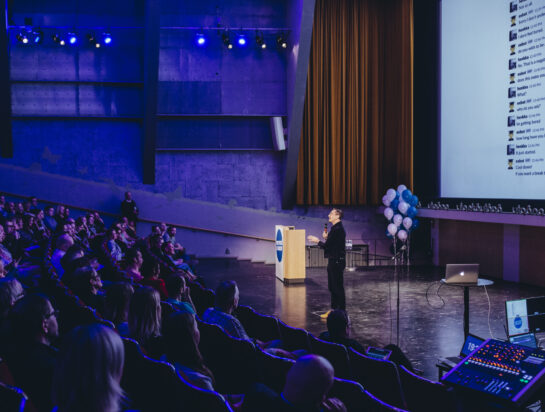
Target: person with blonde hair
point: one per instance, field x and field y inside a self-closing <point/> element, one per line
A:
<point x="145" y="320"/>
<point x="89" y="370"/>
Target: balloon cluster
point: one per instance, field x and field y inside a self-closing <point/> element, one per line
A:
<point x="401" y="212"/>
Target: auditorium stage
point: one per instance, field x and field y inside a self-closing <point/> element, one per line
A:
<point x="426" y="332"/>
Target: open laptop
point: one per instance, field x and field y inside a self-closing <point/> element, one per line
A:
<point x="462" y="273"/>
<point x="471" y="343"/>
<point x="527" y="339"/>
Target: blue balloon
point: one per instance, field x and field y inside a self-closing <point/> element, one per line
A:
<point x="394" y="204"/>
<point x="414" y="200"/>
<point x="412" y="212"/>
<point x="416" y="223"/>
<point x="397" y="195"/>
<point x="406" y="195"/>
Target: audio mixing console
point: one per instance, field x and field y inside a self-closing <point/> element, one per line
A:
<point x="507" y="372"/>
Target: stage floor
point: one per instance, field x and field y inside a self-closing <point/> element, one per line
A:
<point x="428" y="329"/>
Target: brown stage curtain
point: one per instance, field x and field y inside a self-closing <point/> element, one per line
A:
<point x="357" y="125"/>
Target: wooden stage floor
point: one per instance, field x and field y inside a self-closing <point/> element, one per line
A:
<point x="428" y="329"/>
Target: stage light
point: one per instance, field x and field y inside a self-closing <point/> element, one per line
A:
<point x="59" y="39"/>
<point x="200" y="39"/>
<point x="23" y="38"/>
<point x="72" y="39"/>
<point x="93" y="42"/>
<point x="241" y="41"/>
<point x="37" y="36"/>
<point x="281" y="41"/>
<point x="106" y="38"/>
<point x="227" y="41"/>
<point x="260" y="42"/>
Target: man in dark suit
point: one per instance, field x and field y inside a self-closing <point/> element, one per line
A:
<point x="334" y="250"/>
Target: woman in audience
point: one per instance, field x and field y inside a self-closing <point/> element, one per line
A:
<point x="181" y="336"/>
<point x="5" y="254"/>
<point x="81" y="228"/>
<point x="151" y="271"/>
<point x="40" y="225"/>
<point x="118" y="299"/>
<point x="29" y="234"/>
<point x="133" y="264"/>
<point x="113" y="247"/>
<point x="89" y="370"/>
<point x="145" y="320"/>
<point x="99" y="223"/>
<point x="91" y="225"/>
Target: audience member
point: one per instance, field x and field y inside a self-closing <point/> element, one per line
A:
<point x="128" y="208"/>
<point x="307" y="385"/>
<point x="87" y="285"/>
<point x="99" y="223"/>
<point x="10" y="292"/>
<point x="5" y="254"/>
<point x="118" y="299"/>
<point x="59" y="215"/>
<point x="49" y="220"/>
<point x="32" y="357"/>
<point x="64" y="242"/>
<point x="178" y="294"/>
<point x="133" y="264"/>
<point x="181" y="339"/>
<point x="113" y="247"/>
<point x="89" y="370"/>
<point x="34" y="204"/>
<point x="169" y="253"/>
<point x="40" y="225"/>
<point x="227" y="296"/>
<point x="151" y="271"/>
<point x="145" y="320"/>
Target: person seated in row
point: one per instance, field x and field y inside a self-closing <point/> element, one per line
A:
<point x="64" y="242"/>
<point x="87" y="285"/>
<point x="181" y="339"/>
<point x="113" y="247"/>
<point x="88" y="374"/>
<point x="338" y="331"/>
<point x="145" y="320"/>
<point x="151" y="270"/>
<point x="10" y="292"/>
<point x="32" y="356"/>
<point x="307" y="385"/>
<point x="133" y="263"/>
<point x="117" y="302"/>
<point x="178" y="294"/>
<point x="170" y="255"/>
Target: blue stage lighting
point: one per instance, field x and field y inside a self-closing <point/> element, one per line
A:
<point x="23" y="38"/>
<point x="107" y="38"/>
<point x="38" y="36"/>
<point x="241" y="41"/>
<point x="72" y="39"/>
<point x="200" y="39"/>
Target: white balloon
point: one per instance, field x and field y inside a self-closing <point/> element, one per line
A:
<point x="388" y="213"/>
<point x="407" y="223"/>
<point x="385" y="201"/>
<point x="402" y="235"/>
<point x="403" y="207"/>
<point x="392" y="229"/>
<point x="401" y="189"/>
<point x="391" y="193"/>
<point x="398" y="219"/>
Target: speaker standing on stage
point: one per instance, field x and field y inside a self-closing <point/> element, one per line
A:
<point x="334" y="250"/>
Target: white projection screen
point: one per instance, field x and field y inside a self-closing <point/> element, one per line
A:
<point x="492" y="143"/>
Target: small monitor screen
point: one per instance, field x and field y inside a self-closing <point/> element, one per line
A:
<point x="472" y="342"/>
<point x="528" y="339"/>
<point x="517" y="317"/>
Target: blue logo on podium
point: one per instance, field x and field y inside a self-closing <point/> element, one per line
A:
<point x="518" y="322"/>
<point x="279" y="245"/>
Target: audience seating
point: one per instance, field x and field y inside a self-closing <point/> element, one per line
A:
<point x="202" y="298"/>
<point x="420" y="393"/>
<point x="373" y="404"/>
<point x="232" y="360"/>
<point x="334" y="353"/>
<point x="350" y="393"/>
<point x="166" y="310"/>
<point x="380" y="377"/>
<point x="197" y="399"/>
<point x="293" y="338"/>
<point x="6" y="376"/>
<point x="12" y="399"/>
<point x="258" y="326"/>
<point x="272" y="370"/>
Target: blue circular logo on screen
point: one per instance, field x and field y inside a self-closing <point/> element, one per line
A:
<point x="279" y="245"/>
<point x="518" y="322"/>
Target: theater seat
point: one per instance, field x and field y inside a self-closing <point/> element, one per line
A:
<point x="257" y="325"/>
<point x="334" y="353"/>
<point x="350" y="393"/>
<point x="373" y="404"/>
<point x="12" y="399"/>
<point x="293" y="338"/>
<point x="379" y="377"/>
<point x="272" y="370"/>
<point x="197" y="399"/>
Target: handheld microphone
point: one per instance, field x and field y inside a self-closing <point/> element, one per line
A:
<point x="325" y="227"/>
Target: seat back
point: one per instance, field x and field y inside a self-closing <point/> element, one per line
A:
<point x="166" y="310"/>
<point x="149" y="384"/>
<point x="420" y="393"/>
<point x="272" y="370"/>
<point x="202" y="298"/>
<point x="12" y="399"/>
<point x="5" y="374"/>
<point x="198" y="399"/>
<point x="373" y="404"/>
<point x="350" y="393"/>
<point x="257" y="325"/>
<point x="334" y="353"/>
<point x="380" y="377"/>
<point x="231" y="360"/>
<point x="293" y="338"/>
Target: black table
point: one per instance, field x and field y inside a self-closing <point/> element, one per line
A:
<point x="466" y="286"/>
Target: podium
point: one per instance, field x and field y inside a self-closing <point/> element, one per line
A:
<point x="290" y="254"/>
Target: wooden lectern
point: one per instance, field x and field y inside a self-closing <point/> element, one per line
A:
<point x="290" y="254"/>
